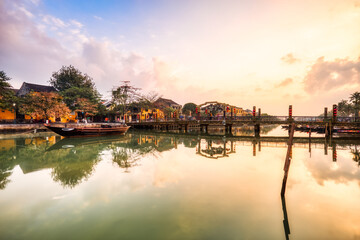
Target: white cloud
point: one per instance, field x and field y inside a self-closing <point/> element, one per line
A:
<point x="53" y="21"/>
<point x="330" y="75"/>
<point x="35" y="2"/>
<point x="76" y="23"/>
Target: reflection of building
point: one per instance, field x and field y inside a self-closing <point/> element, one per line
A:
<point x="215" y="148"/>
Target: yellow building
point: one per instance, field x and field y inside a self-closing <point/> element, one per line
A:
<point x="26" y="88"/>
<point x="7" y="115"/>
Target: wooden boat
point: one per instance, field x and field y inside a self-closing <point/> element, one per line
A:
<point x="88" y="131"/>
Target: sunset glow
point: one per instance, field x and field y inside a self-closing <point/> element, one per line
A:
<point x="265" y="53"/>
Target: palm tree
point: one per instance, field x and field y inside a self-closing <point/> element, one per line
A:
<point x="355" y="100"/>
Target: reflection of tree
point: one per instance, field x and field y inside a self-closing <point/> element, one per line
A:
<point x="356" y="155"/>
<point x="76" y="165"/>
<point x="6" y="166"/>
<point x="190" y="142"/>
<point x="123" y="157"/>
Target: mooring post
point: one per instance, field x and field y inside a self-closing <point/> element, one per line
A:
<point x="290" y="113"/>
<point x="288" y="159"/>
<point x="254" y="148"/>
<point x="334" y="156"/>
<point x="285" y="221"/>
<point x="259" y="113"/>
<point x="254" y="112"/>
<point x="334" y="113"/>
<point x="326" y="147"/>
<point x="257" y="129"/>
<point x="259" y="146"/>
<point x="325" y="113"/>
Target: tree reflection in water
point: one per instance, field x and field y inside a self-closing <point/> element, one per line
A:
<point x="73" y="161"/>
<point x="356" y="155"/>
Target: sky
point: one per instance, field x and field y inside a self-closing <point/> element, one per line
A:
<point x="264" y="53"/>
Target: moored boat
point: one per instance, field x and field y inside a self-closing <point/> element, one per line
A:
<point x="88" y="131"/>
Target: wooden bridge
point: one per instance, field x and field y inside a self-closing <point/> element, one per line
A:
<point x="203" y="123"/>
<point x="204" y="119"/>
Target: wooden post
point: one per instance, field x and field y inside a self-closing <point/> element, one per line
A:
<point x="290" y="112"/>
<point x="285" y="221"/>
<point x="254" y="148"/>
<point x="257" y="130"/>
<point x="288" y="159"/>
<point x="259" y="112"/>
<point x="334" y="112"/>
<point x="334" y="153"/>
<point x="259" y="146"/>
<point x="325" y="113"/>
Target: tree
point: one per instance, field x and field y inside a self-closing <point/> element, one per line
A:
<point x="123" y="95"/>
<point x="86" y="107"/>
<point x="189" y="107"/>
<point x="344" y="108"/>
<point x="7" y="96"/>
<point x="355" y="100"/>
<point x="44" y="105"/>
<point x="73" y="84"/>
<point x="168" y="111"/>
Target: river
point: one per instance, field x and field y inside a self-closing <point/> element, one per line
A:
<point x="148" y="185"/>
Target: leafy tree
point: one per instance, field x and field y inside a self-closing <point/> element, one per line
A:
<point x="72" y="85"/>
<point x="7" y="96"/>
<point x="344" y="108"/>
<point x="86" y="107"/>
<point x="167" y="111"/>
<point x="355" y="100"/>
<point x="189" y="107"/>
<point x="123" y="95"/>
<point x="44" y="105"/>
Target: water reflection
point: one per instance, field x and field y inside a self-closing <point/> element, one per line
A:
<point x="183" y="176"/>
<point x="74" y="160"/>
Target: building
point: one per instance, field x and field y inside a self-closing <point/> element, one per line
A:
<point x="26" y="88"/>
<point x="7" y="115"/>
<point x="163" y="103"/>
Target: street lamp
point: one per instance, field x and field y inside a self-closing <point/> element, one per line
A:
<point x="14" y="105"/>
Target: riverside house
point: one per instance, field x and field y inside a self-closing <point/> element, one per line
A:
<point x="25" y="89"/>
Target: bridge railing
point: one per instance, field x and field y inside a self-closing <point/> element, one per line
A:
<point x="257" y="118"/>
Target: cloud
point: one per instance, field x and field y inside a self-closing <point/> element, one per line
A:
<point x="289" y="59"/>
<point x="285" y="82"/>
<point x="56" y="22"/>
<point x="98" y="18"/>
<point x="330" y="75"/>
<point x="76" y="23"/>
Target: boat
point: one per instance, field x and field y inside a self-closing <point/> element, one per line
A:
<point x="88" y="131"/>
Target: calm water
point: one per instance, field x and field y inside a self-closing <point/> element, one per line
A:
<point x="163" y="186"/>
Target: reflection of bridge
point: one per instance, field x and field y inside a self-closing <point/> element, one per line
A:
<point x="227" y="145"/>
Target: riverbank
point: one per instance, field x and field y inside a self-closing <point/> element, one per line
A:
<point x="22" y="128"/>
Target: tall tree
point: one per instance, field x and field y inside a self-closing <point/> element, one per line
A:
<point x="7" y="96"/>
<point x="44" y="105"/>
<point x="355" y="100"/>
<point x="147" y="101"/>
<point x="123" y="95"/>
<point x="73" y="84"/>
<point x="189" y="107"/>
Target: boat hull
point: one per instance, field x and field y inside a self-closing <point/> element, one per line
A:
<point x="88" y="131"/>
